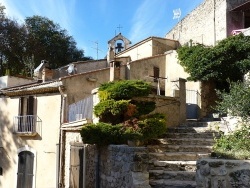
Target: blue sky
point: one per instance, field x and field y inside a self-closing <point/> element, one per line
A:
<point x="97" y="21"/>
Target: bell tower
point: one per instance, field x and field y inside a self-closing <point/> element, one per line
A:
<point x="116" y="45"/>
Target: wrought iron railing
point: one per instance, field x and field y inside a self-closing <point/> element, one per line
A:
<point x="27" y="125"/>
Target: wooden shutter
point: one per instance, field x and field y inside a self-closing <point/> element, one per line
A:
<point x="156" y="74"/>
<point x="21" y="106"/>
<point x="30" y="105"/>
<point x="76" y="166"/>
<point x="25" y="169"/>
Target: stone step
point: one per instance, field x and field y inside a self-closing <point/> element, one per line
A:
<point x="172" y="184"/>
<point x="182" y="148"/>
<point x="177" y="156"/>
<point x="192" y="135"/>
<point x="187" y="141"/>
<point x="172" y="175"/>
<point x="186" y="129"/>
<point x="195" y="124"/>
<point x="173" y="165"/>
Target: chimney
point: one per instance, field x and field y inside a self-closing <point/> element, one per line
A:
<point x="47" y="74"/>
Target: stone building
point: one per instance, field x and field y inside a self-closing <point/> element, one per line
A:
<point x="212" y="21"/>
<point x="208" y="23"/>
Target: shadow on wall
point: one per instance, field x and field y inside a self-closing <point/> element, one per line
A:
<point x="8" y="142"/>
<point x="192" y="111"/>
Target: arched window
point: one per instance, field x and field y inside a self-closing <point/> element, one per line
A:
<point x="25" y="169"/>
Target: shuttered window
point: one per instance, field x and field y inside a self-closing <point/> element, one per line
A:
<point x="156" y="74"/>
<point x="26" y="105"/>
<point x="25" y="169"/>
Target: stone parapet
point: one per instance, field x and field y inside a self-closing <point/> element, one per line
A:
<point x="214" y="173"/>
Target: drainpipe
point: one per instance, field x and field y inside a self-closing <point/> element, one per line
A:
<point x="84" y="165"/>
<point x="62" y="139"/>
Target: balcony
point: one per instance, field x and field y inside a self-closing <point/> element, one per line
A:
<point x="28" y="125"/>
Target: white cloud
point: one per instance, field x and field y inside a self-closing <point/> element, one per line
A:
<point x="144" y="22"/>
<point x="60" y="11"/>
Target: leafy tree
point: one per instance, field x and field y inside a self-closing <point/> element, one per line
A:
<point x="230" y="59"/>
<point x="23" y="46"/>
<point x="12" y="45"/>
<point x="46" y="40"/>
<point x="2" y="10"/>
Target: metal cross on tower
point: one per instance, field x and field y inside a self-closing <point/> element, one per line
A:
<point x="119" y="27"/>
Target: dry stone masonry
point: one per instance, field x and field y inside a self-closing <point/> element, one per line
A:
<point x="219" y="173"/>
<point x="122" y="166"/>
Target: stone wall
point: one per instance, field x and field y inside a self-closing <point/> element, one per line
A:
<point x="207" y="97"/>
<point x="206" y="24"/>
<point x="123" y="166"/>
<point x="219" y="173"/>
<point x="169" y="106"/>
<point x="209" y="23"/>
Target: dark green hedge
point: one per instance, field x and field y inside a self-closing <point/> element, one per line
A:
<point x="124" y="89"/>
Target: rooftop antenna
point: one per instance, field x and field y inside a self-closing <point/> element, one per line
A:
<point x="177" y="15"/>
<point x="96" y="48"/>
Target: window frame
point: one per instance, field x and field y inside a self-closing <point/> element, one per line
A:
<point x="156" y="71"/>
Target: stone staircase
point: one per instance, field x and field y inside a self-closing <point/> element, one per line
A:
<point x="173" y="158"/>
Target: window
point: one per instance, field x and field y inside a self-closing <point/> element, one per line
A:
<point x="27" y="121"/>
<point x="25" y="169"/>
<point x="26" y="118"/>
<point x="26" y="105"/>
<point x="156" y="74"/>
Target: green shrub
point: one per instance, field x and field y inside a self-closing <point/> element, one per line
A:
<point x="236" y="102"/>
<point x="131" y="129"/>
<point x="111" y="106"/>
<point x="153" y="126"/>
<point x="124" y="89"/>
<point x="144" y="107"/>
<point x="103" y="134"/>
<point x="235" y="145"/>
<point x="119" y="115"/>
<point x="111" y="111"/>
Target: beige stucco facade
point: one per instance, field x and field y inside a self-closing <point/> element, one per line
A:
<point x="149" y="47"/>
<point x="43" y="146"/>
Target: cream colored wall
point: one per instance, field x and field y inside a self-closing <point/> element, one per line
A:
<point x="138" y="52"/>
<point x="78" y="87"/>
<point x="142" y="69"/>
<point x="174" y="71"/>
<point x="9" y="81"/>
<point x="48" y="109"/>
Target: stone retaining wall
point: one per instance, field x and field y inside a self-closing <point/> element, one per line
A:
<point x="219" y="173"/>
<point x="123" y="166"/>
